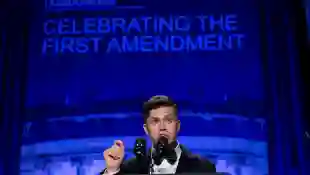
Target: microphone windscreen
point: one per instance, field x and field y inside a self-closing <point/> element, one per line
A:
<point x="140" y="147"/>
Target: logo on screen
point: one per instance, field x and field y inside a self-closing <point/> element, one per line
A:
<point x="75" y="5"/>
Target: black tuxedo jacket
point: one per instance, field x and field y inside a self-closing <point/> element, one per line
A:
<point x="188" y="163"/>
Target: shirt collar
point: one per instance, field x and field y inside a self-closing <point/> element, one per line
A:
<point x="178" y="149"/>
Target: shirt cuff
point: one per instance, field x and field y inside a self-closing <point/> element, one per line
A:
<point x="110" y="173"/>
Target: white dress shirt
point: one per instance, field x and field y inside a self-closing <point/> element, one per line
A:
<point x="165" y="167"/>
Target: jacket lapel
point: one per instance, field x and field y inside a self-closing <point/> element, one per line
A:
<point x="184" y="162"/>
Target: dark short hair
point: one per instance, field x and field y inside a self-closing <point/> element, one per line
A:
<point x="155" y="102"/>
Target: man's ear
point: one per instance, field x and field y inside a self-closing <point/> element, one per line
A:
<point x="178" y="126"/>
<point x="145" y="129"/>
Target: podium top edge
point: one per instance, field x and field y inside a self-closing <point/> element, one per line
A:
<point x="190" y="174"/>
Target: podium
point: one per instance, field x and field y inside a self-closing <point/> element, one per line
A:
<point x="188" y="174"/>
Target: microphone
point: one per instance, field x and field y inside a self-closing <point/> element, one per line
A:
<point x="160" y="150"/>
<point x="140" y="148"/>
<point x="161" y="146"/>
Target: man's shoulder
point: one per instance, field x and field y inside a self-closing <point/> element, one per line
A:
<point x="199" y="159"/>
<point x="202" y="163"/>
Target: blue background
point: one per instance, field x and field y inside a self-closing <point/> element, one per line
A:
<point x="75" y="98"/>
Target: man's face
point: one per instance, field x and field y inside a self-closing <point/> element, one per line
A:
<point x="162" y="122"/>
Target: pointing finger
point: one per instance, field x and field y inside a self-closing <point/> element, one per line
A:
<point x="119" y="143"/>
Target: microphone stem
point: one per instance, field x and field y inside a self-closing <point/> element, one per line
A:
<point x="151" y="165"/>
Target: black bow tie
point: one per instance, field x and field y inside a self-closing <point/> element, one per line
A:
<point x="167" y="153"/>
<point x="171" y="158"/>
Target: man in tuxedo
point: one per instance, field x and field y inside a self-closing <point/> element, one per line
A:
<point x="160" y="121"/>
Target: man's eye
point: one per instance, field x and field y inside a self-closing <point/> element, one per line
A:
<point x="155" y="121"/>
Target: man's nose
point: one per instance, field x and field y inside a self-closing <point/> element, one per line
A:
<point x="162" y="126"/>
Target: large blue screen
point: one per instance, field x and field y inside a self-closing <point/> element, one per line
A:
<point x="93" y="63"/>
<point x="207" y="53"/>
